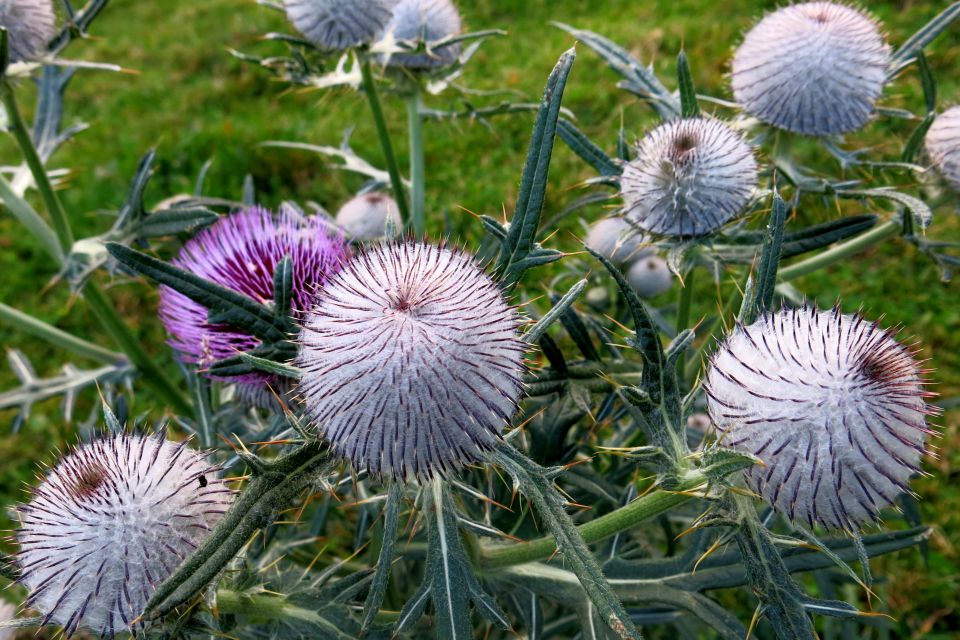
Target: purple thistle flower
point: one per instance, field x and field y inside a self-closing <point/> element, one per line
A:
<point x="241" y="252"/>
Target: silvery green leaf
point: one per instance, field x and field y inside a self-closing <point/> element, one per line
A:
<point x="581" y="145"/>
<point x="559" y="308"/>
<point x="760" y="298"/>
<point x="170" y="222"/>
<point x="688" y="93"/>
<point x="349" y="159"/>
<point x="922" y="214"/>
<point x="924" y="36"/>
<point x="378" y="588"/>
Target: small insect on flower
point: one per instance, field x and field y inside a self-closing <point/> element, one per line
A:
<point x="815" y="68"/>
<point x="650" y="276"/>
<point x="411" y="361"/>
<point x="427" y="21"/>
<point x="370" y="216"/>
<point x="943" y="145"/>
<point x="690" y="177"/>
<point x="30" y="25"/>
<point x="617" y="241"/>
<point x="111" y="521"/>
<point x="336" y="25"/>
<point x="241" y="252"/>
<point x="832" y="404"/>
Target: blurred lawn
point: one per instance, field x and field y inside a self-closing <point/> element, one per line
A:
<point x="194" y="102"/>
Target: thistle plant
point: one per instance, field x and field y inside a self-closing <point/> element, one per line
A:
<point x="370" y="216"/>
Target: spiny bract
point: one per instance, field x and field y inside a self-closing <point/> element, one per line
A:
<point x="110" y="522"/>
<point x="616" y="240"/>
<point x="690" y="177"/>
<point x="411" y="361"/>
<point x="241" y="252"/>
<point x="339" y="24"/>
<point x="427" y="21"/>
<point x="832" y="404"/>
<point x="368" y="217"/>
<point x="943" y="145"/>
<point x="816" y="68"/>
<point x="30" y="25"/>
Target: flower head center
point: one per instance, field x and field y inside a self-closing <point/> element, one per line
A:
<point x="88" y="481"/>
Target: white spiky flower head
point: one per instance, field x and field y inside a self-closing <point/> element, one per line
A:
<point x="7" y="613"/>
<point x="336" y="25"/>
<point x="110" y="522"/>
<point x="831" y="403"/>
<point x="690" y="177"/>
<point x="411" y="361"/>
<point x="370" y="216"/>
<point x="30" y="25"/>
<point x="943" y="145"/>
<point x="650" y="276"/>
<point x="815" y="68"/>
<point x="617" y="241"/>
<point x="428" y="21"/>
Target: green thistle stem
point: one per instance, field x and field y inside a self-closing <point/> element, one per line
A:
<point x="417" y="164"/>
<point x="370" y="89"/>
<point x="841" y="251"/>
<point x="58" y="337"/>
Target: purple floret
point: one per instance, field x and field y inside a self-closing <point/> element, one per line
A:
<point x="240" y="252"/>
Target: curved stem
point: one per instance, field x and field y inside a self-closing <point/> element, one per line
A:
<point x="417" y="165"/>
<point x="32" y="220"/>
<point x="683" y="313"/>
<point x="370" y="89"/>
<point x="841" y="251"/>
<point x="58" y="337"/>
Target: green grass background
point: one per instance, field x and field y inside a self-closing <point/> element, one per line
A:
<point x="194" y="102"/>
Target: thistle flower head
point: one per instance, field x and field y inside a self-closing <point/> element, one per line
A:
<point x="426" y="21"/>
<point x="617" y="241"/>
<point x="368" y="217"/>
<point x="411" y="361"/>
<point x="650" y="276"/>
<point x="832" y="404"/>
<point x="241" y="252"/>
<point x="943" y="145"/>
<point x="111" y="521"/>
<point x="30" y="25"/>
<point x="336" y="25"/>
<point x="690" y="177"/>
<point x="816" y="68"/>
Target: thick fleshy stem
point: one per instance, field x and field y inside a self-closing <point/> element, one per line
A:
<point x="841" y="251"/>
<point x="417" y="164"/>
<point x="376" y="109"/>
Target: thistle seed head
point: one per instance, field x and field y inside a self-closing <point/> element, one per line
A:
<point x="30" y="25"/>
<point x="943" y="145"/>
<point x="368" y="216"/>
<point x="815" y="68"/>
<point x="690" y="177"/>
<point x="617" y="241"/>
<point x="241" y="252"/>
<point x="411" y="361"/>
<point x="428" y="21"/>
<point x="112" y="520"/>
<point x="336" y="25"/>
<point x="650" y="276"/>
<point x="832" y="404"/>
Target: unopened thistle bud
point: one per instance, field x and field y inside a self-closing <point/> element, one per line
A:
<point x="111" y="521"/>
<point x="943" y="145"/>
<point x="650" y="276"/>
<point x="832" y="404"/>
<point x="7" y="613"/>
<point x="370" y="216"/>
<point x="336" y="25"/>
<point x="617" y="241"/>
<point x="30" y="25"/>
<point x="816" y="68"/>
<point x="241" y="252"/>
<point x="427" y="21"/>
<point x="411" y="361"/>
<point x="690" y="177"/>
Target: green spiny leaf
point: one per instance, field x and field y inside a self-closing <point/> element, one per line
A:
<point x="688" y="93"/>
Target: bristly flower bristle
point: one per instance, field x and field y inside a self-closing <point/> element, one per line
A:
<point x="816" y="68"/>
<point x="411" y="361"/>
<point x="241" y="252"/>
<point x="30" y="25"/>
<point x="832" y="404"/>
<point x="429" y="21"/>
<point x="110" y="522"/>
<point x="690" y="177"/>
<point x="336" y="25"/>
<point x="943" y="145"/>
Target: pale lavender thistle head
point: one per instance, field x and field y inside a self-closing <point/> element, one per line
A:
<point x="370" y="216"/>
<point x="30" y="25"/>
<point x="690" y="177"/>
<point x="943" y="145"/>
<point x="411" y="361"/>
<point x="832" y="404"/>
<point x="111" y="521"/>
<point x="816" y="68"/>
<point x="427" y="21"/>
<point x="241" y="252"/>
<point x="616" y="240"/>
<point x="650" y="276"/>
<point x="337" y="25"/>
